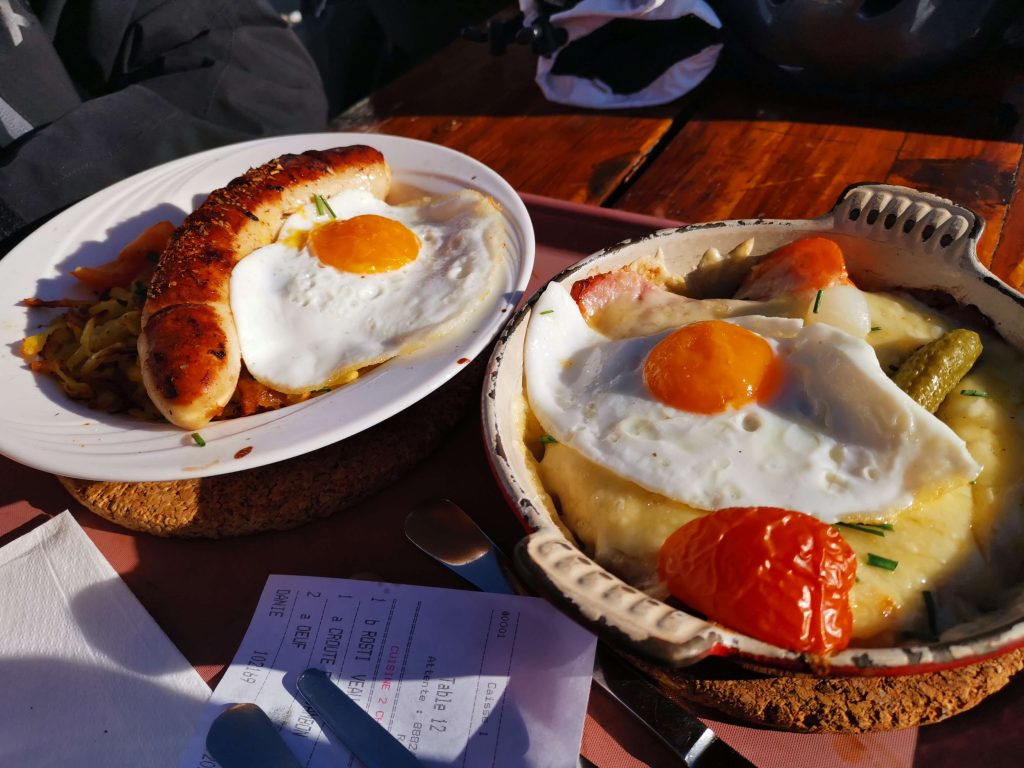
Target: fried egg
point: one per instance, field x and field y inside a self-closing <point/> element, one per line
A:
<point x="337" y="293"/>
<point x="750" y="411"/>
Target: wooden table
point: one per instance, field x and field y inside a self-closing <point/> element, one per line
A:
<point x="737" y="148"/>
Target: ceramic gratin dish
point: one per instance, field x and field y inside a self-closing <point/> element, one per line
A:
<point x="893" y="237"/>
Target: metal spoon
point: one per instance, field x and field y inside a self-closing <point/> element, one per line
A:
<point x="242" y="736"/>
<point x="444" y="531"/>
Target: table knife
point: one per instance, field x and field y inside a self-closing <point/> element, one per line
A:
<point x="677" y="729"/>
<point x="367" y="739"/>
<point x="444" y="531"/>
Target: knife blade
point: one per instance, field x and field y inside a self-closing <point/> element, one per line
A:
<point x="367" y="739"/>
<point x="444" y="531"/>
<point x="643" y="699"/>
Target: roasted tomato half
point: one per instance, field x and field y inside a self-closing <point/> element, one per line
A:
<point x="807" y="264"/>
<point x="777" y="575"/>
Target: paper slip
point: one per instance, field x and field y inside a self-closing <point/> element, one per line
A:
<point x="461" y="678"/>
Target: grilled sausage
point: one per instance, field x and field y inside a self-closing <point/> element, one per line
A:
<point x="188" y="348"/>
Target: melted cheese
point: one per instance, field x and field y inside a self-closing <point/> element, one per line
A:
<point x="964" y="546"/>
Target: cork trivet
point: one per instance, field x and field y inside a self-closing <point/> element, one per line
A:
<point x="288" y="493"/>
<point x="832" y="704"/>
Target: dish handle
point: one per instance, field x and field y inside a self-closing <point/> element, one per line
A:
<point x="918" y="221"/>
<point x="935" y="243"/>
<point x="620" y="613"/>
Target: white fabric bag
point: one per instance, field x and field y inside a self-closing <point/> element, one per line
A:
<point x="587" y="25"/>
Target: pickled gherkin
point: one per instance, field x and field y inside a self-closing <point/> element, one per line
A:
<point x="934" y="370"/>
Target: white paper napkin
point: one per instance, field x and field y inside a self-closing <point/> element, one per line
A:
<point x="87" y="678"/>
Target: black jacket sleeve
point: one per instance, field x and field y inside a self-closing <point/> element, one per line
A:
<point x="159" y="79"/>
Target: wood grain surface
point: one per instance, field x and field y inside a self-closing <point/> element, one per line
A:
<point x="755" y="149"/>
<point x="489" y="108"/>
<point x="737" y="147"/>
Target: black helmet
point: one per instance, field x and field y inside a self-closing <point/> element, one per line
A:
<point x="859" y="40"/>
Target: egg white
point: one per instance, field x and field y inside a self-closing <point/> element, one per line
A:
<point x="303" y="325"/>
<point x="839" y="439"/>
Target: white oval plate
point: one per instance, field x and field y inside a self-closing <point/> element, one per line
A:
<point x="43" y="428"/>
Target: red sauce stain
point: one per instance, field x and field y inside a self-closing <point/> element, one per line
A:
<point x="241" y="454"/>
<point x="462" y="360"/>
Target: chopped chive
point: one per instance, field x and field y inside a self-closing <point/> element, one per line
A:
<point x="862" y="528"/>
<point x="882" y="562"/>
<point x="883" y="526"/>
<point x="547" y="311"/>
<point x="817" y="302"/>
<point x="547" y="439"/>
<point x="199" y="439"/>
<point x="320" y="391"/>
<point x="974" y="392"/>
<point x="322" y="206"/>
<point x="929" y="607"/>
<point x="875" y="328"/>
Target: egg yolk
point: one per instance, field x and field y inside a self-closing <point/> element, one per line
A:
<point x="711" y="366"/>
<point x="364" y="244"/>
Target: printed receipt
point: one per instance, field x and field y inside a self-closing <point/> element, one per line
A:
<point x="460" y="678"/>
